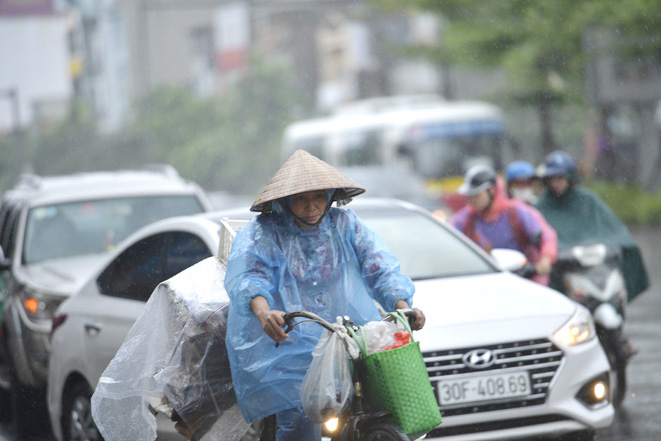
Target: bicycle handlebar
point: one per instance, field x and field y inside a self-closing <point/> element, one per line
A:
<point x="290" y="316"/>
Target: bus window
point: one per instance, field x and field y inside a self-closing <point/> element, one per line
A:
<point x="361" y="148"/>
<point x="445" y="157"/>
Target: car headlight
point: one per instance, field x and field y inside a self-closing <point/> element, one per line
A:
<point x="578" y="329"/>
<point x="39" y="306"/>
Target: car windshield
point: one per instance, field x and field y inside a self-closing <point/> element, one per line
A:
<point x="95" y="226"/>
<point x="432" y="252"/>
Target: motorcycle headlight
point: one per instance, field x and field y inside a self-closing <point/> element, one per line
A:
<point x="331" y="424"/>
<point x="578" y="285"/>
<point x="602" y="285"/>
<point x="578" y="329"/>
<point x="39" y="306"/>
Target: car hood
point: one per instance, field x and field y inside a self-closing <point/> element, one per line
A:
<point x="487" y="309"/>
<point x="61" y="276"/>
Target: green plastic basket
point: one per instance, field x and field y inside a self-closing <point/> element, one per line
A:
<point x="397" y="381"/>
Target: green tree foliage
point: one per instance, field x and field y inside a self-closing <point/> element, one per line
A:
<point x="67" y="147"/>
<point x="248" y="131"/>
<point x="538" y="42"/>
<point x="632" y="205"/>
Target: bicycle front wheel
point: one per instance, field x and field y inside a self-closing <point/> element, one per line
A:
<point x="383" y="431"/>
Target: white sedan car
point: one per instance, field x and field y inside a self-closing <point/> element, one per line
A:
<point x="507" y="358"/>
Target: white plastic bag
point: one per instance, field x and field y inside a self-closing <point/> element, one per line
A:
<point x="377" y="336"/>
<point x="327" y="388"/>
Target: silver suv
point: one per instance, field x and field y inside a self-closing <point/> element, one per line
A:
<point x="54" y="231"/>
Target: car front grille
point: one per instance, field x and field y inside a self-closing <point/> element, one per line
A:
<point x="540" y="358"/>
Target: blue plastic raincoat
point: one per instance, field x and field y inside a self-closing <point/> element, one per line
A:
<point x="335" y="269"/>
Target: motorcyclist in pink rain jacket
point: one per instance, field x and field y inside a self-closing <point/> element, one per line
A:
<point x="493" y="220"/>
<point x="521" y="177"/>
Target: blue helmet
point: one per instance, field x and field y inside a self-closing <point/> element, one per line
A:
<point x="560" y="163"/>
<point x="519" y="170"/>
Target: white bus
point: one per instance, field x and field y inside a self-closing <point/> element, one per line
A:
<point x="434" y="139"/>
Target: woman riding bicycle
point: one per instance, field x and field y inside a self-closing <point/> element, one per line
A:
<point x="301" y="254"/>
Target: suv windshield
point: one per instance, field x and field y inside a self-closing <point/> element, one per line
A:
<point x="95" y="226"/>
<point x="425" y="249"/>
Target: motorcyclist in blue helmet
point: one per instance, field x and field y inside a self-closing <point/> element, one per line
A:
<point x="560" y="173"/>
<point x="520" y="177"/>
<point x="580" y="216"/>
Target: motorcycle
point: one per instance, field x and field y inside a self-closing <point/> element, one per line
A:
<point x="360" y="421"/>
<point x="591" y="275"/>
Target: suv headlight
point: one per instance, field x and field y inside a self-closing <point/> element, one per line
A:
<point x="39" y="306"/>
<point x="579" y="329"/>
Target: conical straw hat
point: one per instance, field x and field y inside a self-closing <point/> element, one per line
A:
<point x="303" y="172"/>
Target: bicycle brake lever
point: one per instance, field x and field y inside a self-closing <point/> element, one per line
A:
<point x="290" y="326"/>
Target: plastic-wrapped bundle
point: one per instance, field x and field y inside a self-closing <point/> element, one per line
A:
<point x="197" y="382"/>
<point x="174" y="361"/>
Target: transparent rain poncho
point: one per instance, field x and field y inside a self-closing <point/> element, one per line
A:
<point x="174" y="360"/>
<point x="335" y="269"/>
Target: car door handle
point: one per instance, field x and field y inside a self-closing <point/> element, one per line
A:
<point x="93" y="328"/>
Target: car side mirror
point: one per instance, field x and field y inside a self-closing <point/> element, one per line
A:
<point x="509" y="260"/>
<point x="5" y="263"/>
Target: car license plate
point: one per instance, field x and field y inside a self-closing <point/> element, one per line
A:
<point x="483" y="388"/>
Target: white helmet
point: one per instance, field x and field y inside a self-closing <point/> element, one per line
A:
<point x="477" y="179"/>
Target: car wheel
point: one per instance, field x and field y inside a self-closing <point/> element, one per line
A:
<point x="5" y="382"/>
<point x="24" y="406"/>
<point x="29" y="415"/>
<point x="614" y="345"/>
<point x="619" y="371"/>
<point x="77" y="421"/>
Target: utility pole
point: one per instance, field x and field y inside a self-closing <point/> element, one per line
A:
<point x="11" y="94"/>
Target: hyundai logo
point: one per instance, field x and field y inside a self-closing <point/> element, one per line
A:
<point x="479" y="358"/>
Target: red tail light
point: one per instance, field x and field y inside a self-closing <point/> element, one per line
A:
<point x="57" y="321"/>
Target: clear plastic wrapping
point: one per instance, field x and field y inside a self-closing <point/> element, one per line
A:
<point x="174" y="362"/>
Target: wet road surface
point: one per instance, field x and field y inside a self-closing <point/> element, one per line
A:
<point x="640" y="416"/>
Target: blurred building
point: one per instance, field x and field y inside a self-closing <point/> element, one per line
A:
<point x="626" y="93"/>
<point x="101" y="50"/>
<point x="62" y="53"/>
<point x="337" y="50"/>
<point x="34" y="39"/>
<point x="362" y="55"/>
<point x="104" y="54"/>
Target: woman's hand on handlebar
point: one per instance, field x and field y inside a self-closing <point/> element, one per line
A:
<point x="419" y="321"/>
<point x="272" y="323"/>
<point x="271" y="319"/>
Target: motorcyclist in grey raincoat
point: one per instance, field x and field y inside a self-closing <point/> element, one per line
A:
<point x="301" y="254"/>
